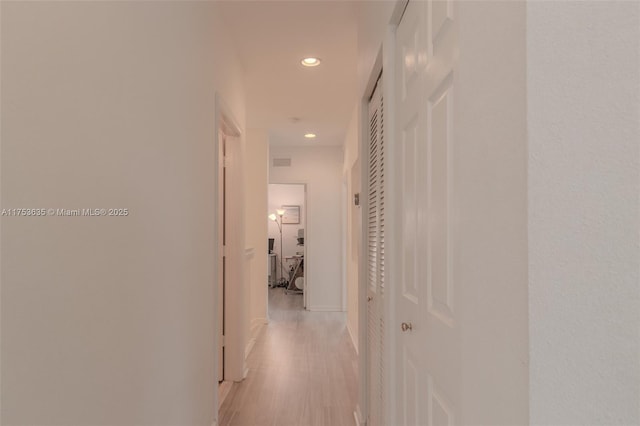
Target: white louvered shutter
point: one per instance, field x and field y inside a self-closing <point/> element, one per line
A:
<point x="375" y="258"/>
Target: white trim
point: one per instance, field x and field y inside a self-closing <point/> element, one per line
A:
<point x="308" y="238"/>
<point x="357" y="415"/>
<point x="363" y="384"/>
<point x="354" y="342"/>
<point x="363" y="353"/>
<point x="363" y="155"/>
<point x="308" y="244"/>
<point x="254" y="332"/>
<point x="224" y="389"/>
<point x="325" y="308"/>
<point x="225" y="122"/>
<point x="258" y="322"/>
<point x="249" y="348"/>
<point x="225" y="119"/>
<point x="391" y="216"/>
<point x="344" y="238"/>
<point x="249" y="253"/>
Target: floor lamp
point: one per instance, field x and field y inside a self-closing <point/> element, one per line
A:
<point x="274" y="218"/>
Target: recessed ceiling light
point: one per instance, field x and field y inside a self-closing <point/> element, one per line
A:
<point x="310" y="135"/>
<point x="310" y="62"/>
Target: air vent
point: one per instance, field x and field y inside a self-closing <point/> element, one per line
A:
<point x="282" y="162"/>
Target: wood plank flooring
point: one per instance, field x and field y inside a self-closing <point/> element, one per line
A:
<point x="302" y="371"/>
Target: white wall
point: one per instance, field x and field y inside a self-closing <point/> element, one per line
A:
<point x="279" y="195"/>
<point x="584" y="186"/>
<point x="489" y="212"/>
<point x="351" y="170"/>
<point x="256" y="177"/>
<point x="321" y="169"/>
<point x="110" y="104"/>
<point x="373" y="19"/>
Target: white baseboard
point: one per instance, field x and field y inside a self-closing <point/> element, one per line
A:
<point x="254" y="331"/>
<point x="249" y="347"/>
<point x="354" y="341"/>
<point x="358" y="417"/>
<point x="223" y="391"/>
<point x="325" y="309"/>
<point x="256" y="324"/>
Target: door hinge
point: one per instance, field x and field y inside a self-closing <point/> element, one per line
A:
<point x="222" y="340"/>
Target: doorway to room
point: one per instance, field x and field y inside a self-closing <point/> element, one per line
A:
<point x="229" y="250"/>
<point x="287" y="245"/>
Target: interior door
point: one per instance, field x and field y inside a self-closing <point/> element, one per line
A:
<point x="375" y="260"/>
<point x="427" y="363"/>
<point x="222" y="177"/>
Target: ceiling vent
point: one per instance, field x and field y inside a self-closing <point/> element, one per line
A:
<point x="282" y="162"/>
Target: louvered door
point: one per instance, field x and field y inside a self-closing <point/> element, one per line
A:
<point x="375" y="258"/>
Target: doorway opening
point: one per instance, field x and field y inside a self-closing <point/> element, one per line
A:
<point x="287" y="245"/>
<point x="229" y="250"/>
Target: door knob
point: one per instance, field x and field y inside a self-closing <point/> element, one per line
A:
<point x="406" y="326"/>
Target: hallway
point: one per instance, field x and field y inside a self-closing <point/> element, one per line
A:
<point x="470" y="216"/>
<point x="302" y="370"/>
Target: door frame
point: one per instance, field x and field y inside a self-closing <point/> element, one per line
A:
<point x="344" y="223"/>
<point x="225" y="123"/>
<point x="385" y="60"/>
<point x="307" y="239"/>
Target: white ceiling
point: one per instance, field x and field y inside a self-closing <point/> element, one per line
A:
<point x="271" y="38"/>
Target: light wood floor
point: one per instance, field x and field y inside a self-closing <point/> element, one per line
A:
<point x="302" y="371"/>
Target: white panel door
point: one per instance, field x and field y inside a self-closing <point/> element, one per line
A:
<point x="427" y="361"/>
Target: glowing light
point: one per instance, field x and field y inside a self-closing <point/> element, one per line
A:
<point x="310" y="62"/>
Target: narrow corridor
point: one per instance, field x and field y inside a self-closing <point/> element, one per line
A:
<point x="302" y="370"/>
